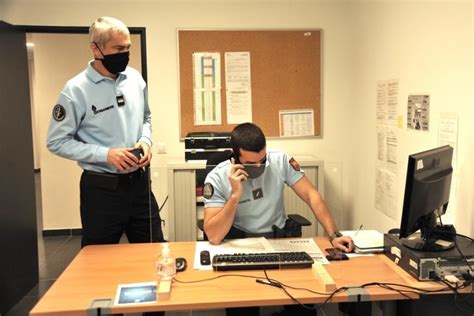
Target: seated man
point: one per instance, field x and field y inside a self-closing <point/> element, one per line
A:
<point x="253" y="203"/>
<point x="248" y="203"/>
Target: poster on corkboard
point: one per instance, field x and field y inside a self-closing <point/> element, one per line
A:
<point x="232" y="76"/>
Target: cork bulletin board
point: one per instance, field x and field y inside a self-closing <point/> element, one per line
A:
<point x="285" y="70"/>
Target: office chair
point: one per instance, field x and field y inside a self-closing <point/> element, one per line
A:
<point x="293" y="225"/>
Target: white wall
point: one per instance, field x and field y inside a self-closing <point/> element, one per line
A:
<point x="427" y="45"/>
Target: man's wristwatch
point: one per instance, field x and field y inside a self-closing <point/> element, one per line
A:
<point x="334" y="235"/>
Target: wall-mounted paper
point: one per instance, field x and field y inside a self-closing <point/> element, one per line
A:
<point x="238" y="87"/>
<point x="207" y="88"/>
<point x="296" y="123"/>
<point x="418" y="112"/>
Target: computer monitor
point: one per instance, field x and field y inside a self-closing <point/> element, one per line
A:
<point x="426" y="198"/>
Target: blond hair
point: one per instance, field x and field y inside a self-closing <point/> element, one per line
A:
<point x="102" y="29"/>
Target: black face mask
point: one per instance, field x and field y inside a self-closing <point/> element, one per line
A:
<point x="254" y="170"/>
<point x="114" y="63"/>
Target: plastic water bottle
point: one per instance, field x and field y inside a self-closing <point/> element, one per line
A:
<point x="166" y="264"/>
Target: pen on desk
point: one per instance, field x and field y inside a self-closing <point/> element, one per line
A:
<point x="353" y="237"/>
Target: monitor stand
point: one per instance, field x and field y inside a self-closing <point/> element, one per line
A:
<point x="432" y="237"/>
<point x="417" y="242"/>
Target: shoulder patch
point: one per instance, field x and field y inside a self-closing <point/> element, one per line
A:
<point x="295" y="164"/>
<point x="59" y="112"/>
<point x="208" y="191"/>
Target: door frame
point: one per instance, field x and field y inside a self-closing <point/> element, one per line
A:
<point x="85" y="30"/>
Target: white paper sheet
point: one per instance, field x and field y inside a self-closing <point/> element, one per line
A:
<point x="387" y="121"/>
<point x="387" y="148"/>
<point x="238" y="87"/>
<point x="239" y="106"/>
<point x="381" y="112"/>
<point x="386" y="192"/>
<point x="299" y="244"/>
<point x="387" y="102"/>
<point x="448" y="132"/>
<point x="237" y="70"/>
<point x="365" y="238"/>
<point x="392" y="102"/>
<point x="294" y="123"/>
<point x="392" y="149"/>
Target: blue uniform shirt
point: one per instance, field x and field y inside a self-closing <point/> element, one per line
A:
<point x="87" y="119"/>
<point x="261" y="204"/>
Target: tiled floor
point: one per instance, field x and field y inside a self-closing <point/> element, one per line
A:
<point x="55" y="253"/>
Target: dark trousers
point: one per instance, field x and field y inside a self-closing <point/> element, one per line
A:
<point x="112" y="204"/>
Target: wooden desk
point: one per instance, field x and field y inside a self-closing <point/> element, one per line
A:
<point x="97" y="270"/>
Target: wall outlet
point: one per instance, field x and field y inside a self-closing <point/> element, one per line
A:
<point x="161" y="148"/>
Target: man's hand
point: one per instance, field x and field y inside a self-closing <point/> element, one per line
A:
<point x="122" y="158"/>
<point x="344" y="243"/>
<point x="237" y="175"/>
<point x="146" y="158"/>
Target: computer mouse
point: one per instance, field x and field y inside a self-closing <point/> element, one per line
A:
<point x="180" y="264"/>
<point x="205" y="258"/>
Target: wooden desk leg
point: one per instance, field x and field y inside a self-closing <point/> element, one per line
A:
<point x="320" y="272"/>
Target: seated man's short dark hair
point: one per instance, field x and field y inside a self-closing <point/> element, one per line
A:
<point x="247" y="136"/>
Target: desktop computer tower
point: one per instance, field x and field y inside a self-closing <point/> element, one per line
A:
<point x="426" y="266"/>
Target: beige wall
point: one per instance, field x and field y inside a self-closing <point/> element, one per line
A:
<point x="426" y="44"/>
<point x="428" y="47"/>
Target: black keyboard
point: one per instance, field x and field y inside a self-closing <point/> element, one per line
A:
<point x="259" y="261"/>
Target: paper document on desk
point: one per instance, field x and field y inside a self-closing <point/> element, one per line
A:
<point x="246" y="245"/>
<point x="366" y="241"/>
<point x="299" y="244"/>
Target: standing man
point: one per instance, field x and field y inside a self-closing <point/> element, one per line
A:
<point x="244" y="195"/>
<point x="102" y="120"/>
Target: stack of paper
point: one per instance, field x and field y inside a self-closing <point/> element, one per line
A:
<point x="366" y="241"/>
